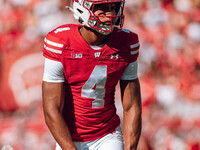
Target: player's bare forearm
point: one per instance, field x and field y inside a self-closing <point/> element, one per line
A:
<point x="52" y="107"/>
<point x="132" y="119"/>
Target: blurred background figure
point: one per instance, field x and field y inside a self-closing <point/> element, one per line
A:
<point x="169" y="69"/>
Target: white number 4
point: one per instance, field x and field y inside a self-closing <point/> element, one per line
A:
<point x="95" y="86"/>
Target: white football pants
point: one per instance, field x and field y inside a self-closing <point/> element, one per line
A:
<point x="111" y="141"/>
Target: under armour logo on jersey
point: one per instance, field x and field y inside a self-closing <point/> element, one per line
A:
<point x="97" y="54"/>
<point x="73" y="55"/>
<point x="114" y="56"/>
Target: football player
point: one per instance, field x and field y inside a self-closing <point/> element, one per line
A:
<point x="83" y="64"/>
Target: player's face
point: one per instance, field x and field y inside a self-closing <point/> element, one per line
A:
<point x="105" y="11"/>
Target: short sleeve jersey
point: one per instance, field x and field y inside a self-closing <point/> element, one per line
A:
<point x="90" y="78"/>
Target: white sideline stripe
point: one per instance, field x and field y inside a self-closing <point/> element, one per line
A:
<point x="53" y="50"/>
<point x="134" y="45"/>
<point x="134" y="52"/>
<point x="53" y="43"/>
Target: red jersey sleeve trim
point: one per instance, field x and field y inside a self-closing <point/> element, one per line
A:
<point x="134" y="47"/>
<point x="53" y="47"/>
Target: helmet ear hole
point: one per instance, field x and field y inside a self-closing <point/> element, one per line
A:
<point x="80" y="11"/>
<point x="80" y="20"/>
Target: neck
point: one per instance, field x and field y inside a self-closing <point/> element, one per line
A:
<point x="92" y="37"/>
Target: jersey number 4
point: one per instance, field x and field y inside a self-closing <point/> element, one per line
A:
<point x="95" y="86"/>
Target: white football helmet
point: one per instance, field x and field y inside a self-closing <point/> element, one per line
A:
<point x="83" y="12"/>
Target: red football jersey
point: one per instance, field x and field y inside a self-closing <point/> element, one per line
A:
<point x="91" y="76"/>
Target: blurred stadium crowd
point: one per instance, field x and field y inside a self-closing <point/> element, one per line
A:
<point x="169" y="70"/>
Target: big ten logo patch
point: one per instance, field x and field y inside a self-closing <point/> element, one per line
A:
<point x="74" y="55"/>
